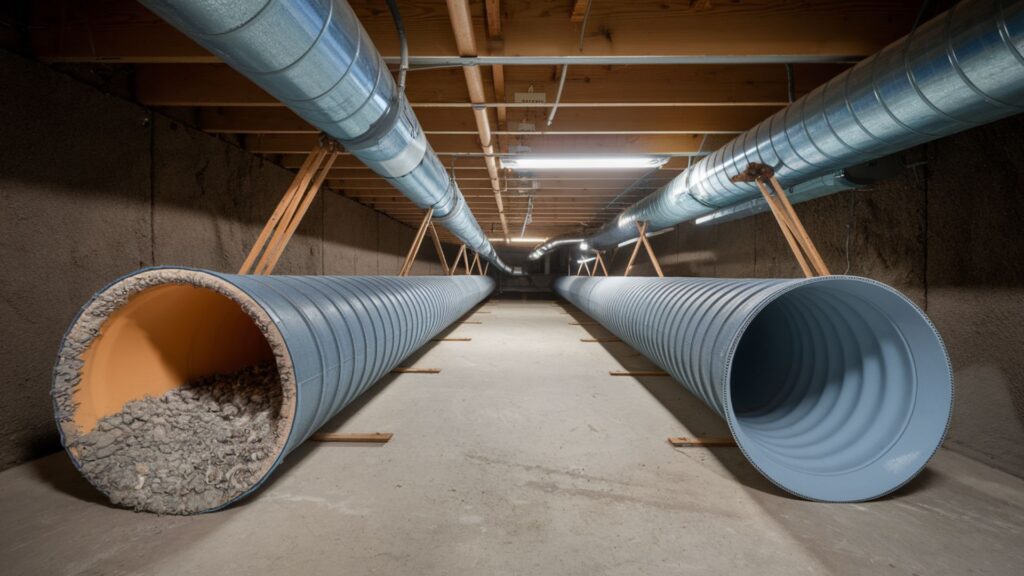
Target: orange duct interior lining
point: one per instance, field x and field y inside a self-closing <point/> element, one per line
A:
<point x="160" y="339"/>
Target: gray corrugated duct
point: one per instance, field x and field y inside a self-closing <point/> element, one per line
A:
<point x="331" y="338"/>
<point x="962" y="69"/>
<point x="550" y="245"/>
<point x="316" y="58"/>
<point x="836" y="388"/>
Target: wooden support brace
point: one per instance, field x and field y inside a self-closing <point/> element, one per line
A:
<point x="293" y="225"/>
<point x="804" y="250"/>
<point x="372" y="438"/>
<point x="440" y="249"/>
<point x="642" y="240"/>
<point x="476" y="264"/>
<point x="458" y="256"/>
<point x="416" y="371"/>
<point x="708" y="442"/>
<point x="421" y="233"/>
<point x="285" y="209"/>
<point x="637" y="373"/>
<point x="600" y="260"/>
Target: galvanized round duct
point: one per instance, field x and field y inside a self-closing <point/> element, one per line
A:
<point x="836" y="388"/>
<point x="317" y="59"/>
<point x="962" y="69"/>
<point x="331" y="338"/>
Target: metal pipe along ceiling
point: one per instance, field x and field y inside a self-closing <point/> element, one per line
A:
<point x="331" y="338"/>
<point x="316" y="58"/>
<point x="960" y="70"/>
<point x="836" y="388"/>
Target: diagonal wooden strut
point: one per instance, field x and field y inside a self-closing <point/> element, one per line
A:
<point x="288" y="214"/>
<point x="421" y="233"/>
<point x="804" y="250"/>
<point x="642" y="228"/>
<point x="458" y="256"/>
<point x="600" y="260"/>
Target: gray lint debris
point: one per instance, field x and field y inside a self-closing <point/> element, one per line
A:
<point x="194" y="448"/>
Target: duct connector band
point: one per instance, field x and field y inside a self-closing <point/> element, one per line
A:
<point x="836" y="388"/>
<point x="179" y="391"/>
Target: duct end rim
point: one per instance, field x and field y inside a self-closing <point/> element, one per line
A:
<point x="89" y="328"/>
<point x="852" y="485"/>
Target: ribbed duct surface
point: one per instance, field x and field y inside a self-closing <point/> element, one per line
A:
<point x="836" y="388"/>
<point x="316" y="58"/>
<point x="331" y="338"/>
<point x="962" y="69"/>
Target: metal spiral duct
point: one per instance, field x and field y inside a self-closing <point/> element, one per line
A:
<point x="962" y="69"/>
<point x="836" y="388"/>
<point x="331" y="338"/>
<point x="316" y="58"/>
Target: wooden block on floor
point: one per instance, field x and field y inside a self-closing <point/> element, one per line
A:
<point x="637" y="373"/>
<point x="450" y="339"/>
<point x="583" y="324"/>
<point x="708" y="442"/>
<point x="416" y="371"/>
<point x="470" y="322"/>
<point x="374" y="438"/>
<point x="600" y="340"/>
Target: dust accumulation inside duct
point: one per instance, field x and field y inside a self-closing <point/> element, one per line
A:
<point x="170" y="396"/>
<point x="191" y="449"/>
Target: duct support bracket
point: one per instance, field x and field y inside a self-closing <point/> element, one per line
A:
<point x="599" y="259"/>
<point x="642" y="240"/>
<point x="804" y="250"/>
<point x="288" y="214"/>
<point x="426" y="226"/>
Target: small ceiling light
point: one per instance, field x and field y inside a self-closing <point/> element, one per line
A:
<point x="581" y="162"/>
<point x="584" y="246"/>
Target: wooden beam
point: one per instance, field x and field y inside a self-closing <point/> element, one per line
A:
<point x="219" y="85"/>
<point x="459" y="144"/>
<point x="371" y="438"/>
<point x="492" y="9"/>
<point x="415" y="370"/>
<point x="123" y="31"/>
<point x="571" y="121"/>
<point x="414" y="249"/>
<point x="708" y="442"/>
<point x="638" y="373"/>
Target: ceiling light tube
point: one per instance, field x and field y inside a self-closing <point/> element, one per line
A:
<point x="555" y="162"/>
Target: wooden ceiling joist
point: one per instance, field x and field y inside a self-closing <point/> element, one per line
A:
<point x="124" y="31"/>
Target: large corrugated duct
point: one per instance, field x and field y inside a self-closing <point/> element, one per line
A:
<point x="330" y="337"/>
<point x="836" y="388"/>
<point x="960" y="70"/>
<point x="316" y="58"/>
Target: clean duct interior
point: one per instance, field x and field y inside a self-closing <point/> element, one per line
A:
<point x="170" y="394"/>
<point x="833" y="388"/>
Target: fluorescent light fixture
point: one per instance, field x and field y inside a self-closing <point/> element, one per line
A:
<point x="554" y="162"/>
<point x="584" y="246"/>
<point x="519" y="240"/>
<point x="586" y="260"/>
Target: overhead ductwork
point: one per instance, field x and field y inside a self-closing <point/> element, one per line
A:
<point x="154" y="332"/>
<point x="545" y="247"/>
<point x="836" y="388"/>
<point x="960" y="70"/>
<point x="316" y="58"/>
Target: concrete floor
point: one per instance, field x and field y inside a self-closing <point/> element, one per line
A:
<point x="522" y="457"/>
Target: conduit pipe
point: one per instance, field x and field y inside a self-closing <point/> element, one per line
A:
<point x="331" y="338"/>
<point x="835" y="388"/>
<point x="316" y="58"/>
<point x="962" y="69"/>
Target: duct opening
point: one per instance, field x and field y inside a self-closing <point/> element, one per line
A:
<point x="174" y="392"/>
<point x="839" y="389"/>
